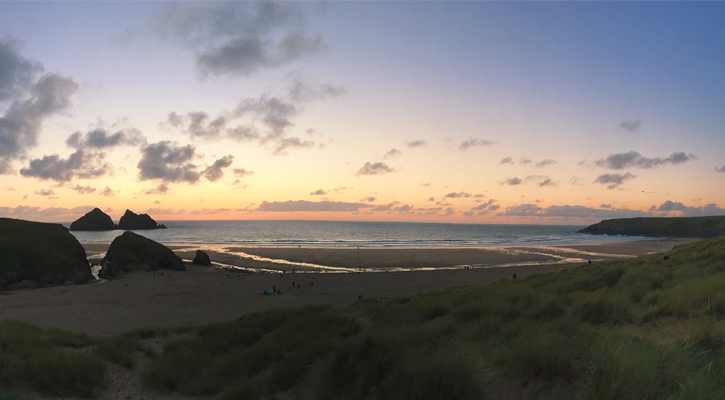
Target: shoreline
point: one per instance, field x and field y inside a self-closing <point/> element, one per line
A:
<point x="211" y="294"/>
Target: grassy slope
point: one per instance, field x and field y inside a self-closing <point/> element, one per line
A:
<point x="698" y="227"/>
<point x="644" y="328"/>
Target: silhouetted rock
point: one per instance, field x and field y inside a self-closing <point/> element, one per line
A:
<point x="131" y="252"/>
<point x="44" y="253"/>
<point x="694" y="227"/>
<point x="202" y="259"/>
<point x="133" y="221"/>
<point x="95" y="220"/>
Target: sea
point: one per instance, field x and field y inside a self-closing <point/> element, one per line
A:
<point x="351" y="234"/>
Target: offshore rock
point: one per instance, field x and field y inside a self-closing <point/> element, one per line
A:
<point x="44" y="253"/>
<point x="132" y="252"/>
<point x="133" y="221"/>
<point x="95" y="220"/>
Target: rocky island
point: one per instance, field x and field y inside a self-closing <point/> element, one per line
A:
<point x="133" y="221"/>
<point x="97" y="220"/>
<point x="47" y="254"/>
<point x="686" y="227"/>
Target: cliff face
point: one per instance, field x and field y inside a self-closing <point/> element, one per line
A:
<point x="691" y="227"/>
<point x="95" y="220"/>
<point x="131" y="252"/>
<point x="133" y="221"/>
<point x="44" y="253"/>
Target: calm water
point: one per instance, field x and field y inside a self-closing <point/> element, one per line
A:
<point x="354" y="234"/>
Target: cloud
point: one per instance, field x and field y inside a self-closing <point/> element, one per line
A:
<point x="209" y="211"/>
<point x="241" y="172"/>
<point x="377" y="168"/>
<point x="168" y="162"/>
<point x="240" y="38"/>
<point x="161" y="189"/>
<point x="483" y="208"/>
<point x="386" y="207"/>
<point x="37" y="213"/>
<point x="525" y="161"/>
<point x="29" y="102"/>
<point x="511" y="181"/>
<point x="633" y="159"/>
<point x="474" y="143"/>
<point x="630" y="125"/>
<point x="81" y="164"/>
<point x="369" y="199"/>
<point x="318" y="192"/>
<point x="425" y="184"/>
<point x="215" y="171"/>
<point x="163" y="211"/>
<point x="282" y="145"/>
<point x="569" y="211"/>
<point x="100" y="139"/>
<point x="507" y="160"/>
<point x="416" y="143"/>
<point x="548" y="183"/>
<point x="45" y="192"/>
<point x="720" y="169"/>
<point x="614" y="180"/>
<point x="544" y="163"/>
<point x="83" y="189"/>
<point x="454" y="195"/>
<point x="108" y="192"/>
<point x="605" y="206"/>
<point x="392" y="153"/>
<point x="303" y="205"/>
<point x="403" y="209"/>
<point x="689" y="211"/>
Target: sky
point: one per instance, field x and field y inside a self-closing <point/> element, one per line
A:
<point x="451" y="112"/>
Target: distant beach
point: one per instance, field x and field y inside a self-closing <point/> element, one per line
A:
<point x="217" y="293"/>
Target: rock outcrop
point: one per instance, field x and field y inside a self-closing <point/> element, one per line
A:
<point x="44" y="253"/>
<point x="689" y="227"/>
<point x="202" y="259"/>
<point x="95" y="220"/>
<point x="132" y="252"/>
<point x="133" y="221"/>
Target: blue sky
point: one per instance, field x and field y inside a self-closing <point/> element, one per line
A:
<point x="481" y="112"/>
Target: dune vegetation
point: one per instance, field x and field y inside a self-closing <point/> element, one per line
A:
<point x="643" y="328"/>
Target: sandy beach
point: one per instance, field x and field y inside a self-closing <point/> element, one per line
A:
<point x="213" y="294"/>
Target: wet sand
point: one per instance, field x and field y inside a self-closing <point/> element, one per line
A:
<point x="213" y="294"/>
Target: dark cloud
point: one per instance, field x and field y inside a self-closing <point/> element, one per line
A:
<point x="512" y="181"/>
<point x="22" y="121"/>
<point x="241" y="172"/>
<point x="168" y="162"/>
<point x="507" y="160"/>
<point x="720" y="169"/>
<point x="16" y="72"/>
<point x="100" y="139"/>
<point x="158" y="190"/>
<point x="548" y="183"/>
<point x="689" y="211"/>
<point x="215" y="171"/>
<point x="568" y="211"/>
<point x="544" y="163"/>
<point x="474" y="143"/>
<point x="81" y="164"/>
<point x="386" y="207"/>
<point x="318" y="192"/>
<point x="369" y="199"/>
<point x="83" y="189"/>
<point x="416" y="143"/>
<point x="484" y="208"/>
<point x="303" y="205"/>
<point x="454" y="195"/>
<point x="614" y="180"/>
<point x="635" y="160"/>
<point x="630" y="125"/>
<point x="403" y="209"/>
<point x="108" y="192"/>
<point x="33" y="213"/>
<point x="240" y="38"/>
<point x="392" y="153"/>
<point x="45" y="192"/>
<point x="377" y="168"/>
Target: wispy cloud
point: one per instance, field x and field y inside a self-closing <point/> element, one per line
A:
<point x="614" y="180"/>
<point x="511" y="181"/>
<point x="312" y="206"/>
<point x="416" y="143"/>
<point x="472" y="142"/>
<point x="378" y="168"/>
<point x="633" y="159"/>
<point x="392" y="153"/>
<point x="507" y="160"/>
<point x="545" y="163"/>
<point x="630" y="125"/>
